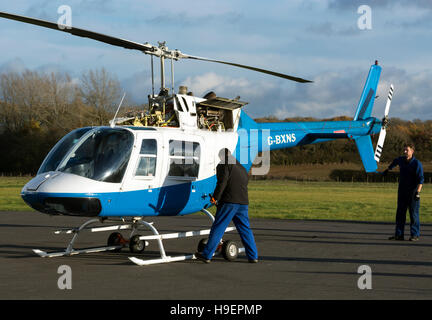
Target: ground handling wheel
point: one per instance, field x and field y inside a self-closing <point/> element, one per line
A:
<point x="136" y="245"/>
<point x="230" y="250"/>
<point x="201" y="245"/>
<point x="116" y="239"/>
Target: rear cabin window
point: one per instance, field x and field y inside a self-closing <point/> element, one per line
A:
<point x="147" y="158"/>
<point x="184" y="158"/>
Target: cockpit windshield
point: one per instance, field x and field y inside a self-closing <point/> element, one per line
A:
<point x="56" y="155"/>
<point x="101" y="155"/>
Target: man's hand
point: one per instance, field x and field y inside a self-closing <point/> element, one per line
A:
<point x="213" y="201"/>
<point x="417" y="196"/>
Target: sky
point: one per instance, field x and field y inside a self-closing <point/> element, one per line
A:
<point x="331" y="42"/>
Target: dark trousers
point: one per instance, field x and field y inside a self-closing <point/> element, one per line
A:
<point x="237" y="213"/>
<point x="404" y="203"/>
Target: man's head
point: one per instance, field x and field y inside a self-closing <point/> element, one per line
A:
<point x="408" y="150"/>
<point x="226" y="157"/>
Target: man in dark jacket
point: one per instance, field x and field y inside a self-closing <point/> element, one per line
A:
<point x="231" y="199"/>
<point x="410" y="184"/>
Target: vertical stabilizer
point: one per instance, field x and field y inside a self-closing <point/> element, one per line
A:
<point x="365" y="105"/>
<point x="364" y="146"/>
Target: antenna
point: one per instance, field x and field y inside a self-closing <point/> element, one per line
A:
<point x="172" y="75"/>
<point x="115" y="116"/>
<point x="152" y="75"/>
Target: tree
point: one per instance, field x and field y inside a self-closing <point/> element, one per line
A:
<point x="101" y="91"/>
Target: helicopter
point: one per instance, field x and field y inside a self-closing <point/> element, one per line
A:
<point x="162" y="162"/>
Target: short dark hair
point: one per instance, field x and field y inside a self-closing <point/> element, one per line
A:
<point x="226" y="156"/>
<point x="409" y="145"/>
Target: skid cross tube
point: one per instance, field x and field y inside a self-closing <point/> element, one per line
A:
<point x="69" y="248"/>
<point x="159" y="237"/>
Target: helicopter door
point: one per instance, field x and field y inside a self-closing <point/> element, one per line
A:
<point x="182" y="171"/>
<point x="140" y="188"/>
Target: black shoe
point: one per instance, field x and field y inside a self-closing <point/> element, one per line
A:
<point x="398" y="238"/>
<point x="199" y="256"/>
<point x="414" y="238"/>
<point x="253" y="260"/>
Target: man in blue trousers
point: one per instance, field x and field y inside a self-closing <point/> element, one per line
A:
<point x="231" y="199"/>
<point x="410" y="184"/>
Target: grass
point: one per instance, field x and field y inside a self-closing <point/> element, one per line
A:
<point x="284" y="199"/>
<point x="10" y="189"/>
<point x="321" y="172"/>
<point x="329" y="200"/>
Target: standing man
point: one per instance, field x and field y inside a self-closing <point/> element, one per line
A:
<point x="410" y="184"/>
<point x="231" y="198"/>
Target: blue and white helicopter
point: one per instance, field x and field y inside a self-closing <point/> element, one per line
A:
<point x="163" y="162"/>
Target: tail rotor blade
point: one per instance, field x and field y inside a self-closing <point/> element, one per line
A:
<point x="389" y="99"/>
<point x="380" y="144"/>
<point x="383" y="132"/>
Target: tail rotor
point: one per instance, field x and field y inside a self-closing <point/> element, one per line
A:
<point x="382" y="135"/>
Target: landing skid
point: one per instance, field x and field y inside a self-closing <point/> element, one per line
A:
<point x="69" y="251"/>
<point x="44" y="254"/>
<point x="135" y="225"/>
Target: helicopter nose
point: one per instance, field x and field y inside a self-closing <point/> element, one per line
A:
<point x="44" y="193"/>
<point x="62" y="205"/>
<point x="73" y="206"/>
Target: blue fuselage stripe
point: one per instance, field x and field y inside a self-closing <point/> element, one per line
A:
<point x="179" y="199"/>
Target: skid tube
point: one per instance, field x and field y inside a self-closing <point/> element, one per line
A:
<point x="134" y="226"/>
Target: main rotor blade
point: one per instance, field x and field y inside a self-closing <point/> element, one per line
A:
<point x="276" y="74"/>
<point x="146" y="48"/>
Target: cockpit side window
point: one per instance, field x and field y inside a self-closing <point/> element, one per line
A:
<point x="147" y="158"/>
<point x="184" y="158"/>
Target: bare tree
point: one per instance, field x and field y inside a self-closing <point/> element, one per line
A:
<point x="102" y="91"/>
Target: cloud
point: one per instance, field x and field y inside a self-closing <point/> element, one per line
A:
<point x="337" y="93"/>
<point x="411" y="98"/>
<point x="138" y="86"/>
<point x="353" y="4"/>
<point x="333" y="93"/>
<point x="185" y="19"/>
<point x="13" y="66"/>
<point x="228" y="87"/>
<point x="402" y="14"/>
<point x="327" y="28"/>
<point x="40" y="10"/>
